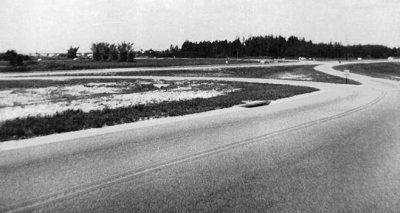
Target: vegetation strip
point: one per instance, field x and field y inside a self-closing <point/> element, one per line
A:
<point x="20" y="103"/>
<point x="377" y="70"/>
<point x="69" y="64"/>
<point x="72" y="120"/>
<point x="300" y="73"/>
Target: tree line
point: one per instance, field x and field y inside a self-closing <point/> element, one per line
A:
<point x="103" y="51"/>
<point x="274" y="47"/>
<point x="254" y="46"/>
<point x="14" y="58"/>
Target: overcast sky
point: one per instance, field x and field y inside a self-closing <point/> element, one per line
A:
<point x="53" y="25"/>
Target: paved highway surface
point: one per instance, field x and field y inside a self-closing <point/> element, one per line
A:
<point x="337" y="150"/>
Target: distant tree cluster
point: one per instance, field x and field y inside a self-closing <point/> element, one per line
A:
<point x="276" y="47"/>
<point x="173" y="51"/>
<point x="104" y="51"/>
<point x="71" y="53"/>
<point x="14" y="58"/>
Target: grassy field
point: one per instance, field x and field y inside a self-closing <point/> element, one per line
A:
<point x="377" y="70"/>
<point x="51" y="97"/>
<point x="69" y="64"/>
<point x="72" y="120"/>
<point x="47" y="83"/>
<point x="301" y="73"/>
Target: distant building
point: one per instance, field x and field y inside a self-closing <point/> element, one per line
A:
<point x="88" y="55"/>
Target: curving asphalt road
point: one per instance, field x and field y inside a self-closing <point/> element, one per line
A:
<point x="336" y="150"/>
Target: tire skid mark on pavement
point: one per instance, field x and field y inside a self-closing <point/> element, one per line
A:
<point x="129" y="175"/>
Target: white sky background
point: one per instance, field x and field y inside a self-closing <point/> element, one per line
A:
<point x="53" y="25"/>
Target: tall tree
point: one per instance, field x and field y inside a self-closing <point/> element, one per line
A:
<point x="124" y="48"/>
<point x="72" y="51"/>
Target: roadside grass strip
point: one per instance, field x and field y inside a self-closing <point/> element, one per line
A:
<point x="296" y="73"/>
<point x="378" y="70"/>
<point x="82" y="64"/>
<point x="76" y="105"/>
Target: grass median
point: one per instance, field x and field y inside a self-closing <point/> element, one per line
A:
<point x="73" y="120"/>
<point x="82" y="64"/>
<point x="297" y="73"/>
<point x="388" y="70"/>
